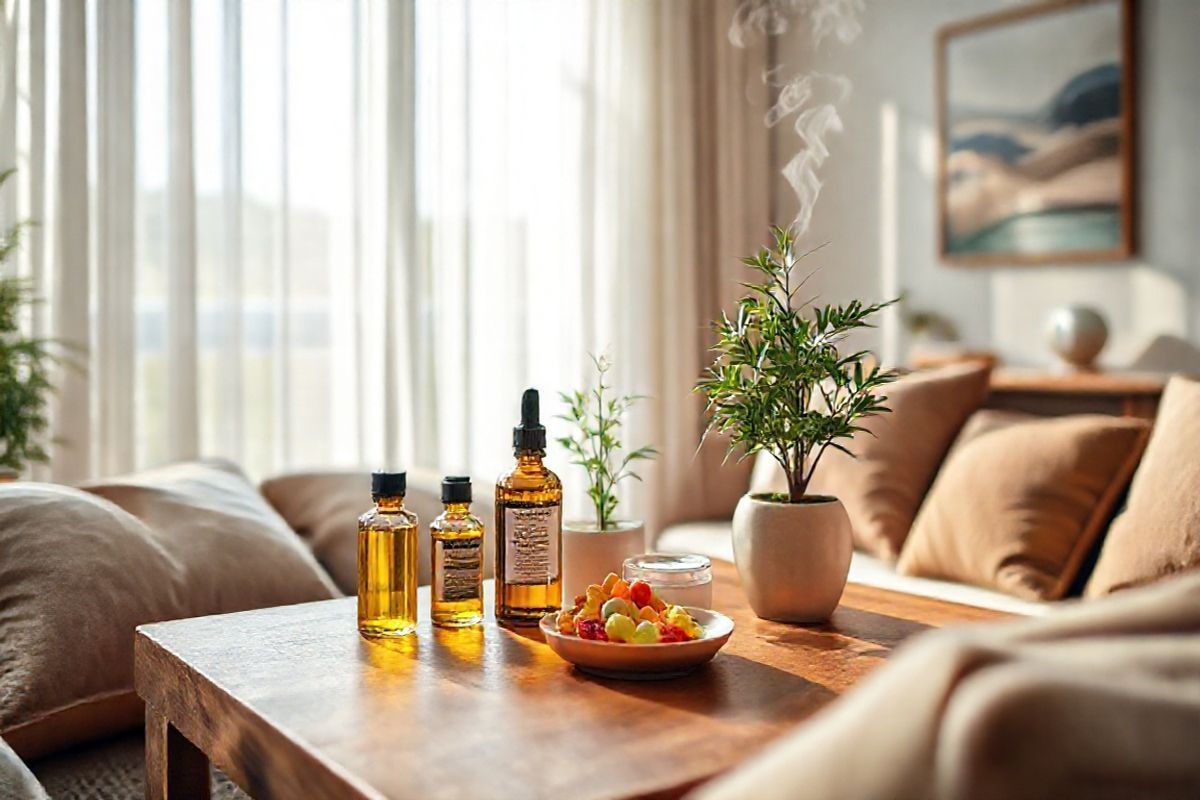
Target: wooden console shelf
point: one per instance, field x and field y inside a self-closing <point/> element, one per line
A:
<point x="1129" y="394"/>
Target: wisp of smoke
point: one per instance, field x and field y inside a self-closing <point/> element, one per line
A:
<point x="770" y="18"/>
<point x="837" y="17"/>
<point x="757" y="16"/>
<point x="812" y="97"/>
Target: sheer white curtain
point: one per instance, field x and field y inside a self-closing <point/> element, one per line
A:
<point x="304" y="233"/>
<point x="588" y="174"/>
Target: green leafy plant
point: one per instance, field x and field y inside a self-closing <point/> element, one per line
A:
<point x="778" y="382"/>
<point x="595" y="442"/>
<point x="25" y="365"/>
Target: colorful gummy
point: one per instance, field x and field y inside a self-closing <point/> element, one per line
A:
<point x="591" y="629"/>
<point x="641" y="593"/>
<point x="615" y="605"/>
<point x="610" y="581"/>
<point x="680" y="618"/>
<point x="671" y="633"/>
<point x="619" y="628"/>
<point x="646" y="633"/>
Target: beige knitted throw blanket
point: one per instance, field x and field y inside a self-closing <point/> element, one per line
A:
<point x="1098" y="700"/>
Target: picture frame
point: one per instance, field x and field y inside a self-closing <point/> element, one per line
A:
<point x="1037" y="136"/>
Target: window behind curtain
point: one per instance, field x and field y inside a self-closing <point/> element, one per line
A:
<point x="290" y="269"/>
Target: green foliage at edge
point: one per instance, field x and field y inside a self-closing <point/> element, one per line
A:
<point x="25" y="366"/>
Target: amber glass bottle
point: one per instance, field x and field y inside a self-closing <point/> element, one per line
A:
<point x="457" y="553"/>
<point x="387" y="560"/>
<point x="528" y="527"/>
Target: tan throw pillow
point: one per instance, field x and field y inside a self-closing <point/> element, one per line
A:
<point x="77" y="575"/>
<point x="1158" y="533"/>
<point x="323" y="508"/>
<point x="239" y="552"/>
<point x="895" y="462"/>
<point x="16" y="781"/>
<point x="1016" y="507"/>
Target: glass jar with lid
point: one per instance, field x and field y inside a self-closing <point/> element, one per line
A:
<point x="683" y="579"/>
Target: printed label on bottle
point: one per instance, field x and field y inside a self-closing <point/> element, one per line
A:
<point x="531" y="537"/>
<point x="458" y="566"/>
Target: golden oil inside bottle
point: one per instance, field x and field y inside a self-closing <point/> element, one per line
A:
<point x="457" y="553"/>
<point x="528" y="528"/>
<point x="387" y="567"/>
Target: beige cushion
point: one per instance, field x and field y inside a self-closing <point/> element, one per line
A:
<point x="16" y="781"/>
<point x="1017" y="507"/>
<point x="239" y="552"/>
<point x="77" y="575"/>
<point x="896" y="458"/>
<point x="323" y="508"/>
<point x="1158" y="533"/>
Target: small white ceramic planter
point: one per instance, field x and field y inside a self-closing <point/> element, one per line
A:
<point x="793" y="559"/>
<point x="590" y="554"/>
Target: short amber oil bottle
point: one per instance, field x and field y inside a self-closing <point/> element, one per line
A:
<point x="387" y="560"/>
<point x="528" y="527"/>
<point x="457" y="553"/>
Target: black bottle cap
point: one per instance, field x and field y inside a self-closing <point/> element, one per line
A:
<point x="530" y="434"/>
<point x="388" y="484"/>
<point x="456" y="489"/>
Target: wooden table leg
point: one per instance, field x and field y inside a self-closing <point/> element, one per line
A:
<point x="175" y="768"/>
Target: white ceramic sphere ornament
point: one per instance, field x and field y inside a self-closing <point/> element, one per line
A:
<point x="1077" y="334"/>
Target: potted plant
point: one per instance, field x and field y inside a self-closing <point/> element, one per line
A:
<point x="25" y="364"/>
<point x="592" y="549"/>
<point x="780" y="384"/>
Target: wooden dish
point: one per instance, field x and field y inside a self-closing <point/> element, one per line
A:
<point x="641" y="661"/>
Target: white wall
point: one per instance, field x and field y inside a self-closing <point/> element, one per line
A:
<point x="892" y="68"/>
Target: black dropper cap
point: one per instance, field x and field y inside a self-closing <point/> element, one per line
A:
<point x="530" y="434"/>
<point x="388" y="484"/>
<point x="456" y="489"/>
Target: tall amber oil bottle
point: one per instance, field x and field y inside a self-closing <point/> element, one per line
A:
<point x="528" y="527"/>
<point x="456" y="548"/>
<point x="387" y="560"/>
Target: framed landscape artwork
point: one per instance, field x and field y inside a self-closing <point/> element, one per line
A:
<point x="1036" y="131"/>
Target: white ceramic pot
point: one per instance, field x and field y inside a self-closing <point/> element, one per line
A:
<point x="792" y="558"/>
<point x="590" y="554"/>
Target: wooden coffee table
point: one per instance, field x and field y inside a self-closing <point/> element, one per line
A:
<point x="290" y="702"/>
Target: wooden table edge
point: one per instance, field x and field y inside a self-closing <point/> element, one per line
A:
<point x="173" y="766"/>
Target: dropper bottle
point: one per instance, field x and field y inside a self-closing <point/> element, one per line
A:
<point x="528" y="527"/>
